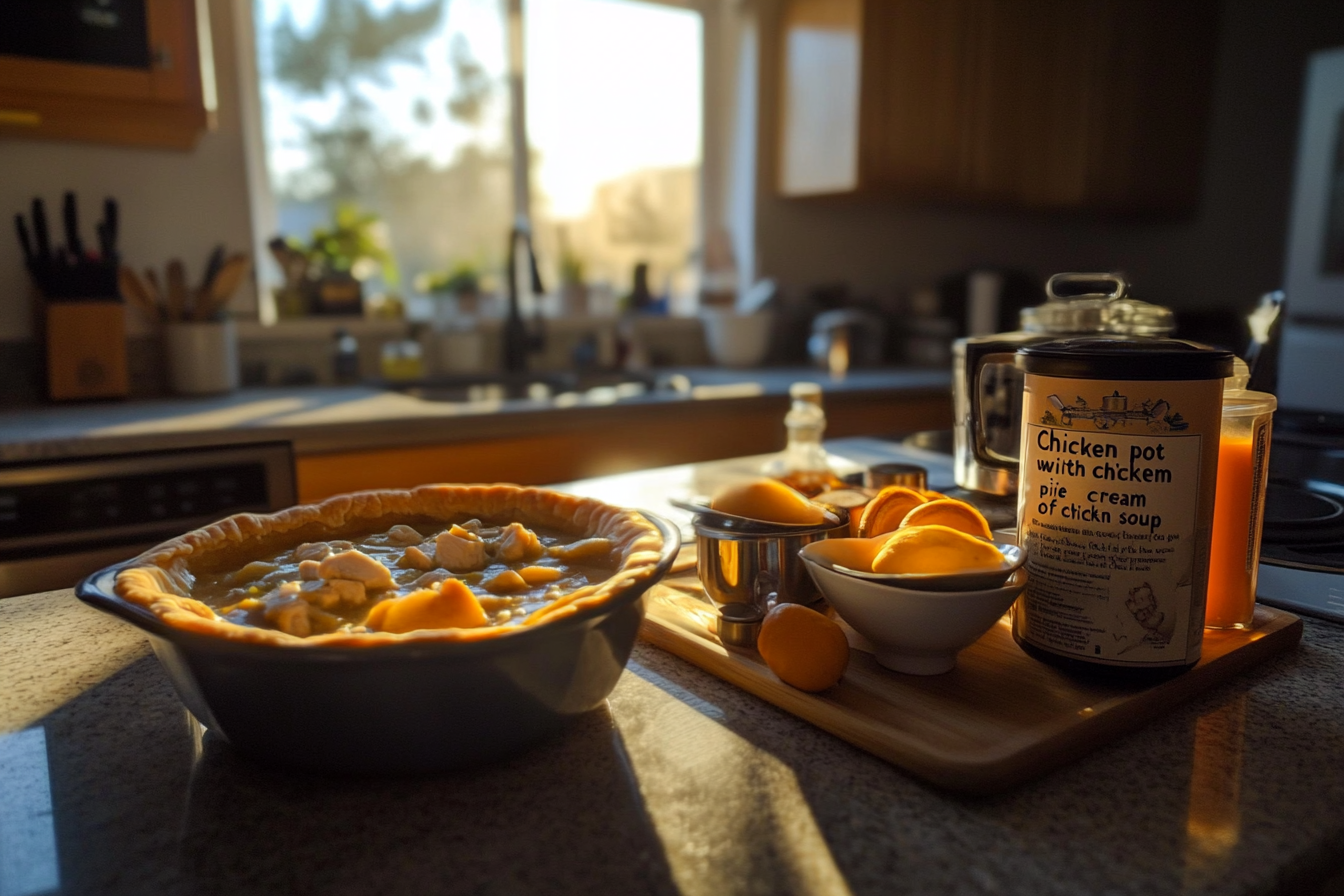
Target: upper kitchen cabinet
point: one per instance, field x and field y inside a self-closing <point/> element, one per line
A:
<point x="106" y="71"/>
<point x="1050" y="104"/>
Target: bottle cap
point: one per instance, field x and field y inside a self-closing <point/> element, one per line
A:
<point x="808" y="391"/>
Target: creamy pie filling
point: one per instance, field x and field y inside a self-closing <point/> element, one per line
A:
<point x="433" y="563"/>
<point x="337" y="585"/>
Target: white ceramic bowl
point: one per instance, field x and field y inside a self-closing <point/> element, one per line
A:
<point x="855" y="557"/>
<point x="917" y="632"/>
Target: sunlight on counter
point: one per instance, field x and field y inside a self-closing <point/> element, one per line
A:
<point x="1213" y="819"/>
<point x="253" y="412"/>
<point x="758" y="800"/>
<point x="28" y="861"/>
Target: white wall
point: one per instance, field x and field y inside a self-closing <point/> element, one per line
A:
<point x="173" y="204"/>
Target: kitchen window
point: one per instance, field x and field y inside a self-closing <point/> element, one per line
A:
<point x="402" y="110"/>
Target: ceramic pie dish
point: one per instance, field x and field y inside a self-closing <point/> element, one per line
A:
<point x="353" y="699"/>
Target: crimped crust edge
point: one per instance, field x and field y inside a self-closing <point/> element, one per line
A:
<point x="160" y="579"/>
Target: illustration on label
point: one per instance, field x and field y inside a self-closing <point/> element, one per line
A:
<point x="1156" y="416"/>
<point x="1158" y="625"/>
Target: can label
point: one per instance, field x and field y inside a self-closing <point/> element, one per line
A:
<point x="1114" y="512"/>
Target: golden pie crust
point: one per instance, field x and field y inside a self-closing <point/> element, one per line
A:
<point x="161" y="578"/>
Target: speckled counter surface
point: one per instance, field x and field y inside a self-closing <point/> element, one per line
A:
<point x="681" y="784"/>
<point x="321" y="419"/>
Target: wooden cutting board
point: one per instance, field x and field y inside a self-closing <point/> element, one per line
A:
<point x="998" y="719"/>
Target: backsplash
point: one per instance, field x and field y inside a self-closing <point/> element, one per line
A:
<point x="303" y="353"/>
<point x="298" y="353"/>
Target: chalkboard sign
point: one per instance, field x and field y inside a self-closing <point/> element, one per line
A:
<point x="91" y="32"/>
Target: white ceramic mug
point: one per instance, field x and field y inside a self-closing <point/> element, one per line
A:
<point x="202" y="356"/>
<point x="737" y="340"/>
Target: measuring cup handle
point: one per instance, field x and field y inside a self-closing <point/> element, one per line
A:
<point x="978" y="356"/>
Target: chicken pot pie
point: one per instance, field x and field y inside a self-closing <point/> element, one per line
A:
<point x="435" y="563"/>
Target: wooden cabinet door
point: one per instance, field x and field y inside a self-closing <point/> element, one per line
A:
<point x="158" y="104"/>
<point x="1070" y="104"/>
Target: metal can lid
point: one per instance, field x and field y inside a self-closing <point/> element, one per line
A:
<point x="1134" y="358"/>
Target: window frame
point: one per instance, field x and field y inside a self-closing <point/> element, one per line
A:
<point x="728" y="134"/>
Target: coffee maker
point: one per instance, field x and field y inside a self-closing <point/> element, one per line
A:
<point x="987" y="383"/>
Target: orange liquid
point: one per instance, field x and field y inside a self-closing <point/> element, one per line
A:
<point x="1231" y="599"/>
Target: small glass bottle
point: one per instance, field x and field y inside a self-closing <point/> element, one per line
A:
<point x="803" y="464"/>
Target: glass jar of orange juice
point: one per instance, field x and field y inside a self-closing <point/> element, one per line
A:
<point x="1239" y="502"/>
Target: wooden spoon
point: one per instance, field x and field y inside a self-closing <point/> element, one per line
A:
<point x="133" y="289"/>
<point x="222" y="286"/>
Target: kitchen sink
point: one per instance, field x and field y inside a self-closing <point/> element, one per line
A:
<point x="551" y="386"/>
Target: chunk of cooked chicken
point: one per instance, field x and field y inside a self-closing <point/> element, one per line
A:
<point x="286" y="608"/>
<point x="310" y="570"/>
<point x="400" y="534"/>
<point x="517" y="542"/>
<point x="359" y="567"/>
<point x="431" y="579"/>
<point x="312" y="550"/>
<point x="290" y="615"/>
<point x="459" y="552"/>
<point x="332" y="592"/>
<point x="415" y="557"/>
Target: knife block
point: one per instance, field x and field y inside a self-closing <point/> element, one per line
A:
<point x="86" y="350"/>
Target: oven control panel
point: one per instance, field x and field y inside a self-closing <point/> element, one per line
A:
<point x="31" y="510"/>
<point x="53" y="511"/>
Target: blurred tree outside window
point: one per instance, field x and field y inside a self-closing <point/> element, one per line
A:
<point x="400" y="108"/>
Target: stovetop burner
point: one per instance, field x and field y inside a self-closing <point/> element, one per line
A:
<point x="1306" y="515"/>
<point x="1302" y="550"/>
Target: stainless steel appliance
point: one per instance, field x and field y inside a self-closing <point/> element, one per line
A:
<point x="1302" y="552"/>
<point x="987" y="381"/>
<point x="61" y="520"/>
<point x="1302" y="555"/>
<point x="1313" y="335"/>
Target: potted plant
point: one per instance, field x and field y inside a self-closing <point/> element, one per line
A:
<point x="459" y="287"/>
<point x="341" y="257"/>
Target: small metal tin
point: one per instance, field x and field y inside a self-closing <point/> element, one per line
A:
<point x="746" y="567"/>
<point x="738" y="624"/>
<point x="909" y="475"/>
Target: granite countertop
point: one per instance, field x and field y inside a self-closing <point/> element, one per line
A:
<point x="681" y="784"/>
<point x="320" y="419"/>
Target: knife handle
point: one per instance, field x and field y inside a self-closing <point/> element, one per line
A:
<point x="41" y="236"/>
<point x="24" y="241"/>
<point x="70" y="217"/>
<point x="111" y="224"/>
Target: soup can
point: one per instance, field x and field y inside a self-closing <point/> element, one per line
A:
<point x="1115" y="501"/>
